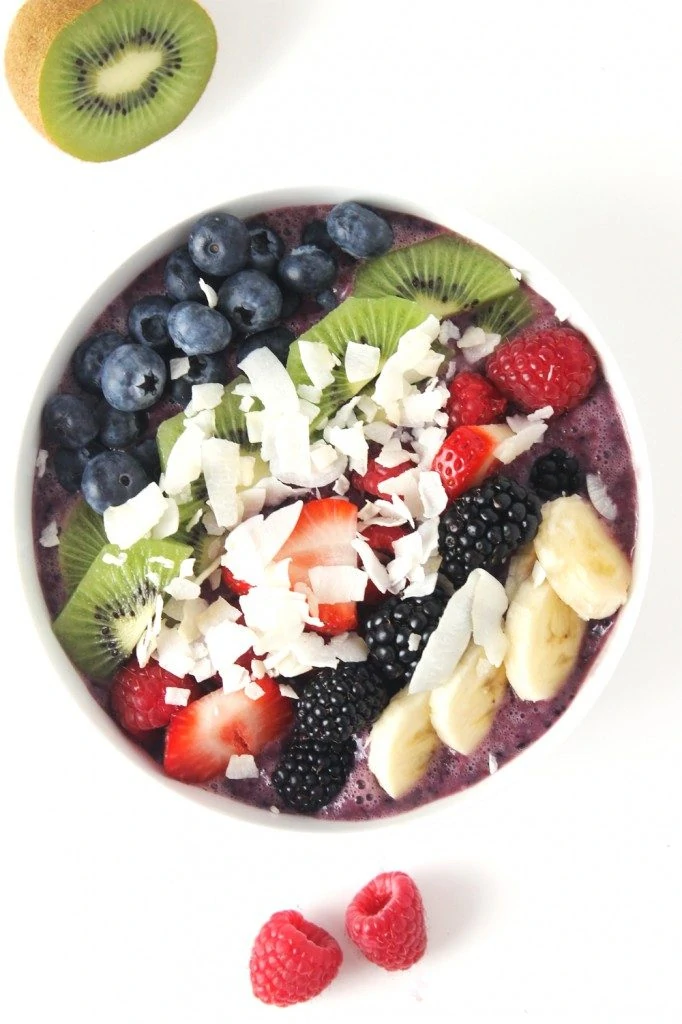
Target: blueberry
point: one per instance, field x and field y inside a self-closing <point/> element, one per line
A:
<point x="119" y="429"/>
<point x="209" y="369"/>
<point x="277" y="339"/>
<point x="111" y="479"/>
<point x="133" y="378"/>
<point x="250" y="301"/>
<point x="69" y="421"/>
<point x="307" y="270"/>
<point x="69" y="464"/>
<point x="181" y="391"/>
<point x="359" y="231"/>
<point x="181" y="277"/>
<point x="315" y="233"/>
<point x="198" y="330"/>
<point x="88" y="358"/>
<point x="219" y="244"/>
<point x="148" y="320"/>
<point x="327" y="300"/>
<point x="147" y="454"/>
<point x="290" y="303"/>
<point x="267" y="249"/>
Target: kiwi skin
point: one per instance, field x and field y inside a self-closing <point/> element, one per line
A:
<point x="35" y="28"/>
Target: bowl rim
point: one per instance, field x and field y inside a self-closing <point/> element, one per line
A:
<point x="543" y="281"/>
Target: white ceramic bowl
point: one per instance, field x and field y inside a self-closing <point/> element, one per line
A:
<point x="544" y="283"/>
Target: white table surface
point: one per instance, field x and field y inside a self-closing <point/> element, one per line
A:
<point x="557" y="898"/>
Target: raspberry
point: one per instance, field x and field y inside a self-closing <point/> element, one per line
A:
<point x="554" y="367"/>
<point x="386" y="921"/>
<point x="474" y="400"/>
<point x="292" y="960"/>
<point x="138" y="696"/>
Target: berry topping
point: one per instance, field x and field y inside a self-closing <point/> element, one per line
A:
<point x="250" y="301"/>
<point x="369" y="482"/>
<point x="323" y="535"/>
<point x="119" y="429"/>
<point x="311" y="773"/>
<point x="292" y="960"/>
<point x="482" y="529"/>
<point x="266" y="249"/>
<point x="69" y="421"/>
<point x="307" y="270"/>
<point x="386" y="921"/>
<point x="198" y="330"/>
<point x="133" y="377"/>
<point x="556" y="475"/>
<point x="277" y="339"/>
<point x="181" y="277"/>
<point x="397" y="633"/>
<point x="148" y="320"/>
<point x="202" y="738"/>
<point x="336" y="618"/>
<point x="69" y="465"/>
<point x="474" y="400"/>
<point x="358" y="231"/>
<point x="337" y="703"/>
<point x="219" y="244"/>
<point x="111" y="479"/>
<point x="554" y="367"/>
<point x="234" y="585"/>
<point x="467" y="456"/>
<point x="89" y="356"/>
<point x="144" y="698"/>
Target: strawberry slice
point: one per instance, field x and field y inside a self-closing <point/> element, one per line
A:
<point x="337" y="618"/>
<point x="467" y="456"/>
<point x="234" y="585"/>
<point x="375" y="475"/>
<point x="323" y="535"/>
<point x="381" y="540"/>
<point x="201" y="738"/>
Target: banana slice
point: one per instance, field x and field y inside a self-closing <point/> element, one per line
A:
<point x="583" y="563"/>
<point x="462" y="711"/>
<point x="544" y="640"/>
<point x="520" y="568"/>
<point x="401" y="743"/>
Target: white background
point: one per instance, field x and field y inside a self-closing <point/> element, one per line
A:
<point x="556" y="898"/>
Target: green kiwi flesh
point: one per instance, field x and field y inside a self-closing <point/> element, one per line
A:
<point x="81" y="541"/>
<point x="371" y="321"/>
<point x="446" y="275"/>
<point x="125" y="73"/>
<point x="505" y="316"/>
<point x="113" y="605"/>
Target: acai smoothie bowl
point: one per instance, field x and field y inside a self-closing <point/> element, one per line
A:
<point x="335" y="510"/>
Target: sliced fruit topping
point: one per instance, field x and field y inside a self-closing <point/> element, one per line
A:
<point x="402" y="743"/>
<point x="464" y="708"/>
<point x="311" y="773"/>
<point x="292" y="960"/>
<point x="379" y="323"/>
<point x="445" y="275"/>
<point x="336" y="619"/>
<point x="369" y="482"/>
<point x="115" y="602"/>
<point x="101" y="81"/>
<point x="484" y="527"/>
<point x="323" y="535"/>
<point x="583" y="563"/>
<point x="554" y="367"/>
<point x="81" y="541"/>
<point x="544" y="641"/>
<point x="147" y="698"/>
<point x="386" y="921"/>
<point x="201" y="738"/>
<point x="473" y="401"/>
<point x="556" y="475"/>
<point x="467" y="456"/>
<point x="505" y="316"/>
<point x="336" y="704"/>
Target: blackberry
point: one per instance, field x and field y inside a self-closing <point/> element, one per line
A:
<point x="485" y="526"/>
<point x="388" y="629"/>
<point x="556" y="475"/>
<point x="337" y="703"/>
<point x="311" y="773"/>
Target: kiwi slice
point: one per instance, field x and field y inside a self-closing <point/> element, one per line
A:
<point x="81" y="541"/>
<point x="504" y="316"/>
<point x="104" y="78"/>
<point x="230" y="421"/>
<point x="113" y="605"/>
<point x="380" y="322"/>
<point x="445" y="275"/>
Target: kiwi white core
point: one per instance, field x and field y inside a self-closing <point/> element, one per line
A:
<point x="129" y="73"/>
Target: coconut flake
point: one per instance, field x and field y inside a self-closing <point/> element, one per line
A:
<point x="270" y="382"/>
<point x="127" y="523"/>
<point x="253" y="691"/>
<point x="49" y="538"/>
<point x="286" y="446"/>
<point x="309" y="393"/>
<point x="476" y="344"/>
<point x="337" y="584"/>
<point x="174" y="652"/>
<point x="241" y="766"/>
<point x="205" y="397"/>
<point x="448" y="642"/>
<point x="600" y="497"/>
<point x="350" y="441"/>
<point x="349" y="647"/>
<point x="413" y="642"/>
<point x="227" y="642"/>
<point x="379" y="432"/>
<point x="318" y="362"/>
<point x="341" y="486"/>
<point x="184" y="461"/>
<point x="367" y="407"/>
<point x="428" y="442"/>
<point x="448" y="332"/>
<point x="288" y="691"/>
<point x="432" y="494"/>
<point x="178" y="367"/>
<point x="183" y="590"/>
<point x="210" y="293"/>
<point x="375" y="570"/>
<point x="275" y="615"/>
<point x="41" y="463"/>
<point x="169" y="522"/>
<point x="393" y="454"/>
<point x="510" y="449"/>
<point x="361" y="362"/>
<point x="177" y="696"/>
<point x="538" y="575"/>
<point x="420" y="408"/>
<point x="492" y="763"/>
<point x="220" y="465"/>
<point x="488" y="607"/>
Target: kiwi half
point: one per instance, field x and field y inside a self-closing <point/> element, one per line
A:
<point x="445" y="275"/>
<point x="113" y="605"/>
<point x="505" y="316"/>
<point x="81" y="541"/>
<point x="104" y="78"/>
<point x="379" y="322"/>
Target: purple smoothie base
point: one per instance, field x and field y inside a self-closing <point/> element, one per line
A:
<point x="594" y="432"/>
